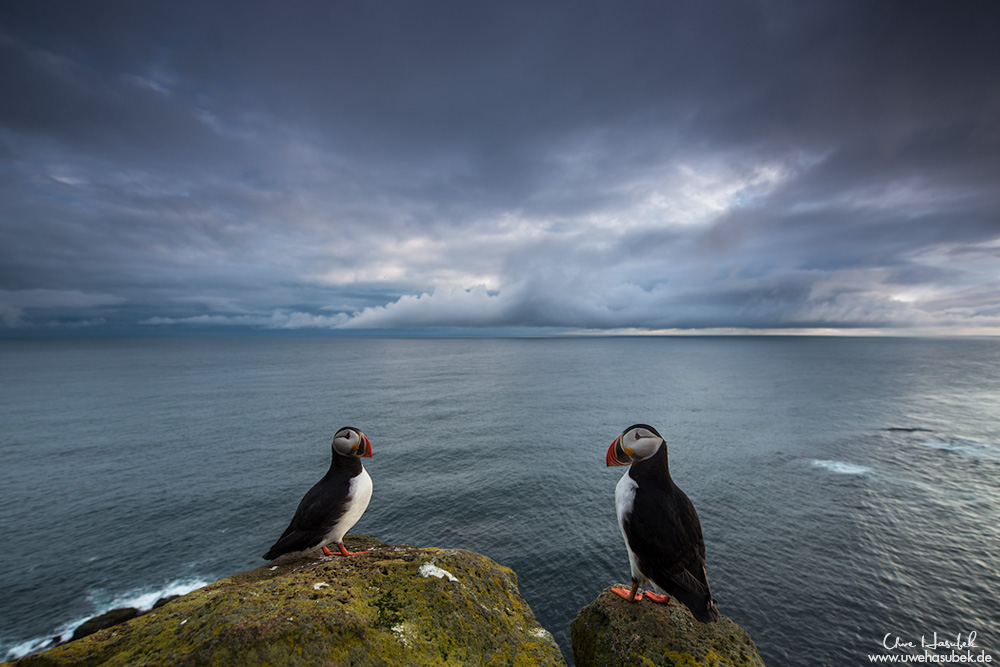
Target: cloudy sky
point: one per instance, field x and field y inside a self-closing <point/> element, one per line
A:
<point x="465" y="166"/>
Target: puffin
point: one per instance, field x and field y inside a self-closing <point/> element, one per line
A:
<point x="334" y="504"/>
<point x="660" y="526"/>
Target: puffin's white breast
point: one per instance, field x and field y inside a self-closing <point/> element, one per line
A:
<point x="358" y="497"/>
<point x="624" y="500"/>
<point x="624" y="497"/>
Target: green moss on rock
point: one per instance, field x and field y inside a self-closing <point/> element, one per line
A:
<point x="395" y="606"/>
<point x="612" y="631"/>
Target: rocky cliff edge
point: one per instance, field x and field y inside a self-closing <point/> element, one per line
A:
<point x="398" y="605"/>
<point x="612" y="632"/>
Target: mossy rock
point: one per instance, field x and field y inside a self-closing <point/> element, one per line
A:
<point x="612" y="631"/>
<point x="396" y="606"/>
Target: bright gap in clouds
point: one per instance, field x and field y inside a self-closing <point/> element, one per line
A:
<point x="706" y="193"/>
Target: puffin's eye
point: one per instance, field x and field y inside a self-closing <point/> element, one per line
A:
<point x="637" y="436"/>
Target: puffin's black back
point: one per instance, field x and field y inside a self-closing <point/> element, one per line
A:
<point x="664" y="533"/>
<point x="319" y="509"/>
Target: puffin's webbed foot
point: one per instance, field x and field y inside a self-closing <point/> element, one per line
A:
<point x="343" y="551"/>
<point x="633" y="595"/>
<point x="657" y="598"/>
<point x="625" y="593"/>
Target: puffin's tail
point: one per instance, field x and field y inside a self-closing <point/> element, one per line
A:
<point x="275" y="550"/>
<point x="292" y="540"/>
<point x="707" y="612"/>
<point x="696" y="596"/>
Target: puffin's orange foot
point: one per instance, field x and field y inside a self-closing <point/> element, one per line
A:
<point x="626" y="593"/>
<point x="657" y="598"/>
<point x="343" y="551"/>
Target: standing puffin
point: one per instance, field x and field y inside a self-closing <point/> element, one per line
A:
<point x="661" y="529"/>
<point x="334" y="504"/>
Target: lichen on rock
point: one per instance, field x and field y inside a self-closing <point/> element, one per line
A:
<point x="613" y="632"/>
<point x="373" y="609"/>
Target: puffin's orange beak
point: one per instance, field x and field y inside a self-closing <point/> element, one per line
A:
<point x="616" y="457"/>
<point x="366" y="447"/>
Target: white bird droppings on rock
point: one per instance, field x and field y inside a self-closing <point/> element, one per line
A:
<point x="320" y="584"/>
<point x="432" y="570"/>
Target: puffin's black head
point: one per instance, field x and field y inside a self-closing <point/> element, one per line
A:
<point x="351" y="442"/>
<point x="638" y="442"/>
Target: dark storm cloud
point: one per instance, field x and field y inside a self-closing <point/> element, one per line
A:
<point x="594" y="165"/>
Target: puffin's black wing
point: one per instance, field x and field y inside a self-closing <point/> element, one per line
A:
<point x="318" y="511"/>
<point x="664" y="533"/>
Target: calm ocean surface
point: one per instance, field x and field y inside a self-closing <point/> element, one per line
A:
<point x="131" y="468"/>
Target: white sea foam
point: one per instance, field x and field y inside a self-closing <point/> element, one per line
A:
<point x="140" y="598"/>
<point x="144" y="598"/>
<point x="841" y="467"/>
<point x="844" y="468"/>
<point x="18" y="651"/>
<point x="964" y="447"/>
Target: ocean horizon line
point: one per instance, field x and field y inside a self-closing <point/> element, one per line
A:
<point x="35" y="333"/>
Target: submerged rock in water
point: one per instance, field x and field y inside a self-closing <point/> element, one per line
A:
<point x="612" y="632"/>
<point x="105" y="620"/>
<point x="164" y="600"/>
<point x="398" y="605"/>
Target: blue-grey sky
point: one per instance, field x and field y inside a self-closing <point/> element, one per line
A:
<point x="328" y="166"/>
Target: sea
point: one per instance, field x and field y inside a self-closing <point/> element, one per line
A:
<point x="848" y="488"/>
